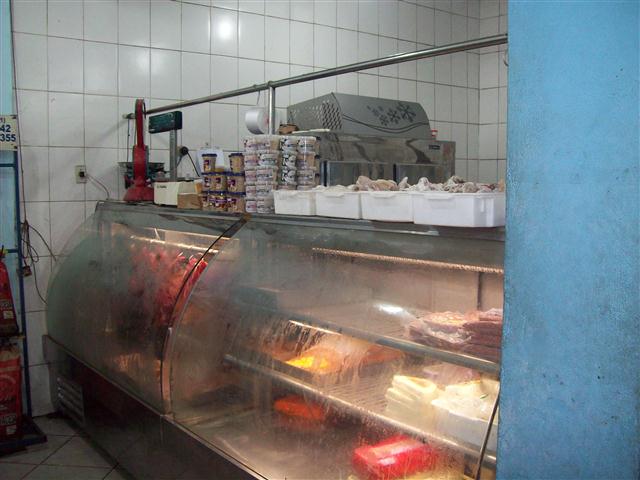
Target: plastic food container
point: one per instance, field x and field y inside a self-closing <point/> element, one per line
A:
<point x="251" y="191"/>
<point x="387" y="206"/>
<point x="292" y="202"/>
<point x="268" y="159"/>
<point x="206" y="183"/>
<point x="459" y="209"/>
<point x="306" y="143"/>
<point x="208" y="162"/>
<point x="235" y="183"/>
<point x="236" y="202"/>
<point x="218" y="182"/>
<point x="339" y="204"/>
<point x="218" y="201"/>
<point x="236" y="162"/>
<point x="251" y="206"/>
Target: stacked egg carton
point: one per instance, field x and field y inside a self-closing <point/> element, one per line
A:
<point x="261" y="160"/>
<point x="306" y="163"/>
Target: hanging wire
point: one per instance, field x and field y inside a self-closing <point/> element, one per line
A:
<point x="99" y="183"/>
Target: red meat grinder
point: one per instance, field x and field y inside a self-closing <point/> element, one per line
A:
<point x="140" y="190"/>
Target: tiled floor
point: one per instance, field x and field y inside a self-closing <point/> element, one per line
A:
<point x="67" y="455"/>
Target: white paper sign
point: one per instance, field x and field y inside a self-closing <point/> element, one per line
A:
<point x="8" y="132"/>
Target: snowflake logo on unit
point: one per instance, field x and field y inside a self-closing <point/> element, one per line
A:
<point x="405" y="112"/>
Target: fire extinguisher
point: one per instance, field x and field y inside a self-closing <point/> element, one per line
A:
<point x="8" y="321"/>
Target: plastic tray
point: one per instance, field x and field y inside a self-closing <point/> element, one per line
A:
<point x="459" y="209"/>
<point x="294" y="202"/>
<point x="338" y="204"/>
<point x="387" y="206"/>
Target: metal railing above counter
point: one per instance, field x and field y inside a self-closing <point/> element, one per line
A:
<point x="331" y="72"/>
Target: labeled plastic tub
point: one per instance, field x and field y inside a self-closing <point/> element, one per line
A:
<point x="293" y="202"/>
<point x="459" y="209"/>
<point x="387" y="206"/>
<point x="338" y="204"/>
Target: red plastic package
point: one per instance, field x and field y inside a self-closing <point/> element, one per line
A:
<point x="8" y="322"/>
<point x="398" y="456"/>
<point x="10" y="392"/>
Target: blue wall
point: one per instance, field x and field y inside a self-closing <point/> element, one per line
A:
<point x="7" y="193"/>
<point x="571" y="370"/>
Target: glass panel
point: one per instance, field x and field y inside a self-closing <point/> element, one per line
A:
<point x="304" y="351"/>
<point x="117" y="286"/>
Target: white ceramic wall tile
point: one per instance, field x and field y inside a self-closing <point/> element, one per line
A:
<point x="134" y="23"/>
<point x="473" y="105"/>
<point x="503" y="69"/>
<point x="460" y="166"/>
<point x="125" y="126"/>
<point x="472" y="170"/>
<point x="444" y="5"/>
<point x="301" y="49"/>
<point x="489" y="26"/>
<point x="224" y="32"/>
<point x="442" y="27"/>
<point x="166" y="26"/>
<point x="489" y="8"/>
<point x="62" y="184"/>
<point x="368" y="16"/>
<point x="388" y="88"/>
<point x="367" y="85"/>
<point x="459" y="135"/>
<point x="489" y="70"/>
<point x="426" y="69"/>
<point x="459" y="73"/>
<point x="196" y="28"/>
<point x="488" y="171"/>
<point x="196" y="132"/>
<point x="387" y="46"/>
<point x="407" y="21"/>
<point x="458" y="28"/>
<point x="252" y="6"/>
<point x="301" y="91"/>
<point x="502" y="24"/>
<point x="444" y="130"/>
<point x="489" y="106"/>
<point x="502" y="101"/>
<point x="165" y="74"/>
<point x="324" y="86"/>
<point x="196" y="71"/>
<point x="231" y="4"/>
<point x="100" y="121"/>
<point x="277" y="8"/>
<point x="66" y="126"/>
<point x="426" y="25"/>
<point x="66" y="217"/>
<point x="224" y="75"/>
<point x="473" y="28"/>
<point x="473" y="70"/>
<point x="488" y="141"/>
<point x="347" y="14"/>
<point x="276" y="39"/>
<point x="324" y="46"/>
<point x="40" y="392"/>
<point x="65" y="65"/>
<point x="502" y="170"/>
<point x="472" y="141"/>
<point x="31" y="61"/>
<point x="443" y="69"/>
<point x="39" y="219"/>
<point x="64" y="18"/>
<point x="347" y="83"/>
<point x="302" y="10"/>
<point x="251" y="36"/>
<point x="473" y="8"/>
<point x="426" y="98"/>
<point x="30" y="16"/>
<point x="101" y="20"/>
<point x="276" y="71"/>
<point x="324" y="12"/>
<point x="35" y="168"/>
<point x="502" y="141"/>
<point x="250" y="72"/>
<point x="347" y="47"/>
<point x="133" y="71"/>
<point x="459" y="7"/>
<point x="33" y="302"/>
<point x="367" y="48"/>
<point x="33" y="117"/>
<point x="407" y="90"/>
<point x="407" y="70"/>
<point x="443" y="103"/>
<point x="459" y="105"/>
<point x="388" y="18"/>
<point x="100" y="68"/>
<point x="102" y="165"/>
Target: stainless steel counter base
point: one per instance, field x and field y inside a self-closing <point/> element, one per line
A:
<point x="147" y="444"/>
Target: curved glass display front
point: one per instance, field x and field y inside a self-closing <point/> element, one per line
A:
<point x="119" y="284"/>
<point x="316" y="349"/>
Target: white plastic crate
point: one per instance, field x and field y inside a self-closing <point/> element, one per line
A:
<point x="339" y="204"/>
<point x="295" y="202"/>
<point x="459" y="209"/>
<point x="387" y="206"/>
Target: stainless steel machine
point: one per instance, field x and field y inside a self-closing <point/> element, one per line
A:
<point x="371" y="136"/>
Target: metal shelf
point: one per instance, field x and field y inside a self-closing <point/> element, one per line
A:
<point x="366" y="400"/>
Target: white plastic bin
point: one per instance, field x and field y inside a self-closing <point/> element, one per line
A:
<point x="459" y="209"/>
<point x="340" y="204"/>
<point x="294" y="202"/>
<point x="387" y="206"/>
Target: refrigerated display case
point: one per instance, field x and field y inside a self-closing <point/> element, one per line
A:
<point x="305" y="348"/>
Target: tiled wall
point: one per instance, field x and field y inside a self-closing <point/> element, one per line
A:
<point x="493" y="94"/>
<point x="80" y="66"/>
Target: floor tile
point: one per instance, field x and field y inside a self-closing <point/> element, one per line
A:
<point x="14" y="471"/>
<point x="36" y="454"/>
<point x="81" y="453"/>
<point x="59" y="472"/>
<point x="55" y="426"/>
<point x="118" y="474"/>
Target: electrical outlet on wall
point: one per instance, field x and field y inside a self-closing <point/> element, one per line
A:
<point x="81" y="174"/>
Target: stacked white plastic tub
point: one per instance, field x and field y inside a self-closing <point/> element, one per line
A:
<point x="338" y="204"/>
<point x="387" y="206"/>
<point x="459" y="209"/>
<point x="295" y="202"/>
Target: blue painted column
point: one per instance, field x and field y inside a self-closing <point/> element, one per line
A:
<point x="571" y="371"/>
